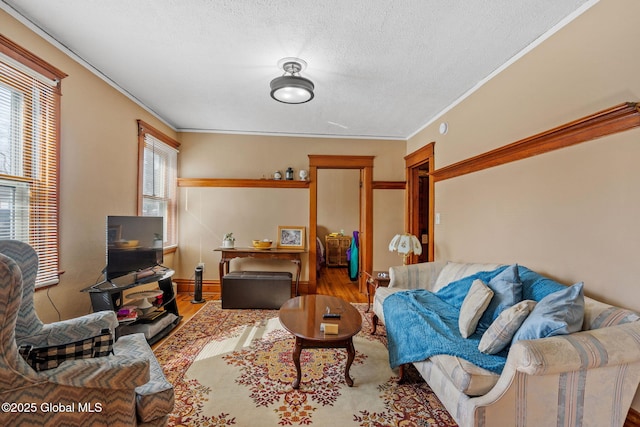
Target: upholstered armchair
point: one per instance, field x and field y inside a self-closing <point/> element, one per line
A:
<point x="125" y="388"/>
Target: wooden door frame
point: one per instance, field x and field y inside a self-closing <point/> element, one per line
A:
<point x="413" y="163"/>
<point x="365" y="165"/>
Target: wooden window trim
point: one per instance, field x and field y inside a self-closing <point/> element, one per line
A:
<point x="28" y="59"/>
<point x="32" y="62"/>
<point x="146" y="129"/>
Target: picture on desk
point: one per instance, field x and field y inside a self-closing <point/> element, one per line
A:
<point x="291" y="237"/>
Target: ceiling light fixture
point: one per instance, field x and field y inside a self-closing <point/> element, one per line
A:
<point x="291" y="88"/>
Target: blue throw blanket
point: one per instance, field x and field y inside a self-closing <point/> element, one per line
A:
<point x="421" y="324"/>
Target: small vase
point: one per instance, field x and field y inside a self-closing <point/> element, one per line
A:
<point x="227" y="244"/>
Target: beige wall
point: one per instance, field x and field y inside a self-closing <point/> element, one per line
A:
<point x="98" y="171"/>
<point x="98" y="177"/>
<point x="571" y="214"/>
<point x="338" y="206"/>
<point x="206" y="214"/>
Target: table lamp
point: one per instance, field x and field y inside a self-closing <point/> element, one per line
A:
<point x="405" y="244"/>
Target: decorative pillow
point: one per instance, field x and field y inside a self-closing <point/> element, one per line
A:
<point x="43" y="358"/>
<point x="474" y="304"/>
<point x="507" y="291"/>
<point x="501" y="331"/>
<point x="559" y="313"/>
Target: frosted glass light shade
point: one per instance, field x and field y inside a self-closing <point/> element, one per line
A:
<point x="292" y="89"/>
<point x="405" y="244"/>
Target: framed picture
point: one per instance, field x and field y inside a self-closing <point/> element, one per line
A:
<point x="291" y="237"/>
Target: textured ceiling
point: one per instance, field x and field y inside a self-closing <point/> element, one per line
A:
<point x="382" y="69"/>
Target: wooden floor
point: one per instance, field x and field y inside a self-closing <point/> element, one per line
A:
<point x="335" y="282"/>
<point x="332" y="281"/>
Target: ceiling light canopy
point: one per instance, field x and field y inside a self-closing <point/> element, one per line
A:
<point x="291" y="88"/>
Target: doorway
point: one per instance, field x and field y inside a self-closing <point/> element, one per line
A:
<point x="424" y="227"/>
<point x="420" y="200"/>
<point x="365" y="223"/>
<point x="338" y="217"/>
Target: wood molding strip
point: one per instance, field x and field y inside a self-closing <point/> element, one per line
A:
<point x="325" y="161"/>
<point x="144" y="127"/>
<point x="389" y="185"/>
<point x="23" y="56"/>
<point x="633" y="419"/>
<point x="615" y="119"/>
<point x="246" y="183"/>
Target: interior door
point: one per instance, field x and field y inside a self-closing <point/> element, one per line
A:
<point x="423" y="213"/>
<point x="420" y="200"/>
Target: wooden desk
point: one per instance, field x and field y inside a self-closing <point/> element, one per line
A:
<point x="292" y="255"/>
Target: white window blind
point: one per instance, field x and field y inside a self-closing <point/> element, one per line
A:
<point x="29" y="106"/>
<point x="159" y="174"/>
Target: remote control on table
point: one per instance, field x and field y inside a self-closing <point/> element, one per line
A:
<point x="331" y="316"/>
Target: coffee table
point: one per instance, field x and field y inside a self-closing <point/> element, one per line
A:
<point x="302" y="317"/>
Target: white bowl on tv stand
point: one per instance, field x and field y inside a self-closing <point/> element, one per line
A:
<point x="144" y="298"/>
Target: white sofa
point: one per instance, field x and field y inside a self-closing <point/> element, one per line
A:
<point x="586" y="378"/>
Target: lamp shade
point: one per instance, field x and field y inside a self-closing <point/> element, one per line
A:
<point x="405" y="244"/>
<point x="292" y="89"/>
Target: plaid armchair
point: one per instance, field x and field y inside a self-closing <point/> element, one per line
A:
<point x="125" y="388"/>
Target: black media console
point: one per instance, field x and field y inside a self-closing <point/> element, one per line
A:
<point x="154" y="323"/>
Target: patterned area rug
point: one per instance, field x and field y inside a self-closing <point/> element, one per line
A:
<point x="234" y="368"/>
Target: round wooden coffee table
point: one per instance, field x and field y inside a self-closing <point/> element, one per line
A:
<point x="302" y="317"/>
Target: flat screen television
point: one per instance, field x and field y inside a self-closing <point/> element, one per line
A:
<point x="134" y="243"/>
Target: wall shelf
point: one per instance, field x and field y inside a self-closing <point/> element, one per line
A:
<point x="240" y="182"/>
<point x="271" y="183"/>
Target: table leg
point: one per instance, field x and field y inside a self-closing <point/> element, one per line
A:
<point x="221" y="268"/>
<point x="296" y="361"/>
<point x="351" y="354"/>
<point x="298" y="263"/>
<point x="401" y="373"/>
<point x="374" y="322"/>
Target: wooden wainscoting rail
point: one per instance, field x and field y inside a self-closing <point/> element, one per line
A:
<point x="240" y="182"/>
<point x="615" y="119"/>
<point x="633" y="419"/>
<point x="389" y="185"/>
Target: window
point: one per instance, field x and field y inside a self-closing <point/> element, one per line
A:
<point x="158" y="175"/>
<point x="29" y="118"/>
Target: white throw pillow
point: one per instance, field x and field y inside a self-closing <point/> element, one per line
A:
<point x="559" y="313"/>
<point x="501" y="331"/>
<point x="473" y="306"/>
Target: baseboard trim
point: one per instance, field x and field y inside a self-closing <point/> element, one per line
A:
<point x="633" y="419"/>
<point x="210" y="287"/>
